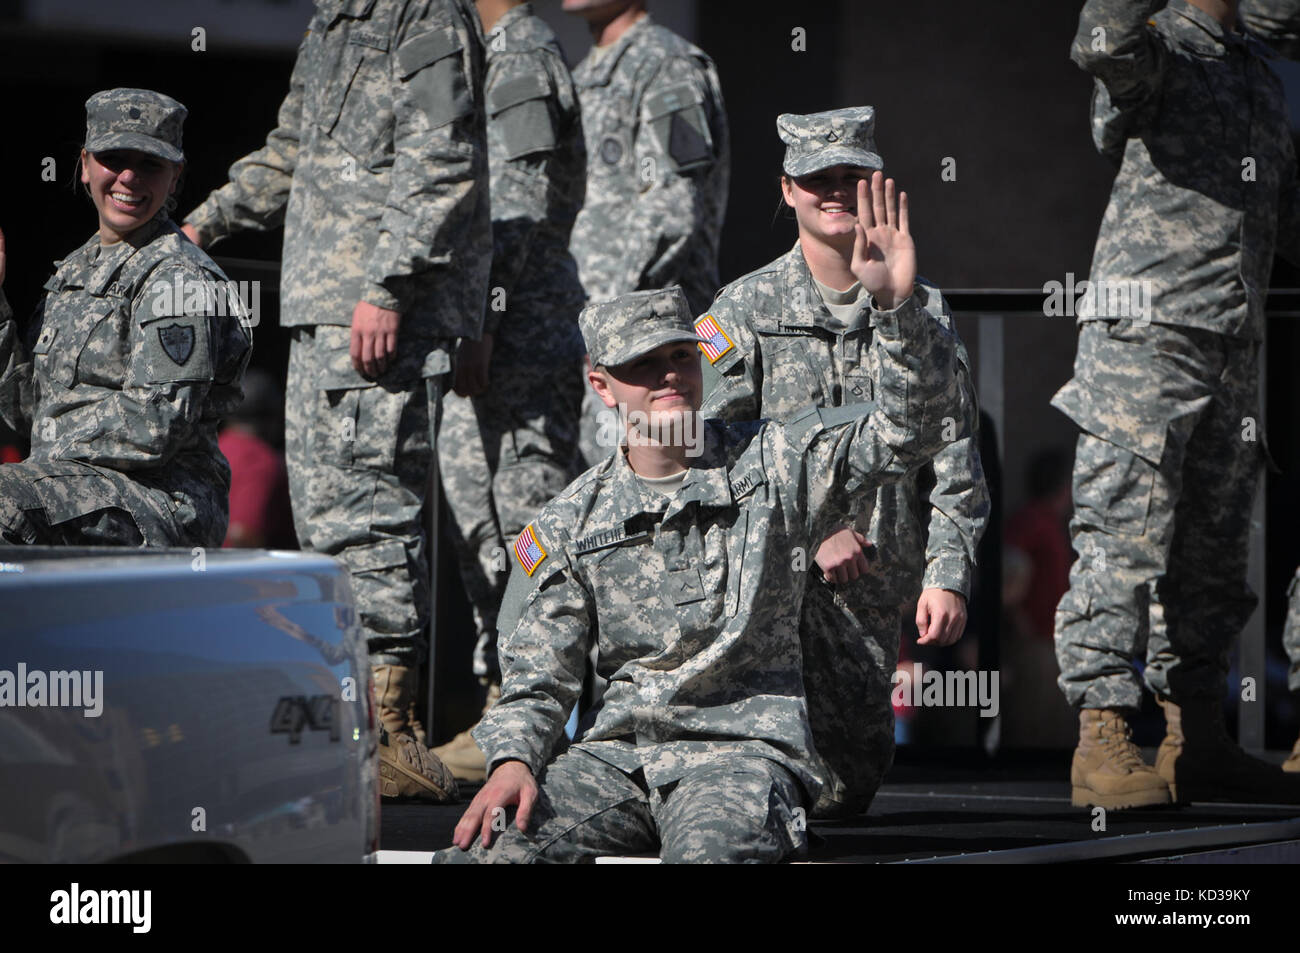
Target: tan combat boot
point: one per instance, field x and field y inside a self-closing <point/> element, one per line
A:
<point x="1201" y="763"/>
<point x="1108" y="770"/>
<point x="407" y="769"/>
<point x="1293" y="763"/>
<point x="461" y="755"/>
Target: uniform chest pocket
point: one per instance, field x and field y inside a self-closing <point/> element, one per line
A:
<point x="61" y="353"/>
<point x="356" y="106"/>
<point x="791" y="378"/>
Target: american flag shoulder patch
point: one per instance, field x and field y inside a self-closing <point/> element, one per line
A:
<point x="528" y="550"/>
<point x="713" y="340"/>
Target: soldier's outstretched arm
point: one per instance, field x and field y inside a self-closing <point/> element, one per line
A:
<point x="258" y="191"/>
<point x="828" y="455"/>
<point x="15" y="365"/>
<point x="546" y="627"/>
<point x="959" y="500"/>
<point x="1276" y="22"/>
<point x="1114" y="45"/>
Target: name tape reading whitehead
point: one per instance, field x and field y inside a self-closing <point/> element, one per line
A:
<point x="239" y="299"/>
<point x="39" y="689"/>
<point x="934" y="689"/>
<point x="102" y="907"/>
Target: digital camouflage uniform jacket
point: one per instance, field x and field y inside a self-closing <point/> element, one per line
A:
<point x="693" y="603"/>
<point x="783" y="356"/>
<point x="377" y="168"/>
<point x="537" y="160"/>
<point x="658" y="162"/>
<point x="1200" y="226"/>
<point x="122" y="382"/>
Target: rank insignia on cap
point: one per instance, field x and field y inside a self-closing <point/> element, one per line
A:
<point x="713" y="340"/>
<point x="528" y="550"/>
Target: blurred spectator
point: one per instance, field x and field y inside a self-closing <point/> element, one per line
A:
<point x="1036" y="573"/>
<point x="259" y="483"/>
<point x="1037" y="556"/>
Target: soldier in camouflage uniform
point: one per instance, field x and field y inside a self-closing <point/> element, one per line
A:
<point x="510" y="431"/>
<point x="675" y="559"/>
<point x="658" y="164"/>
<point x="1166" y="394"/>
<point x="786" y="335"/>
<point x="378" y="170"/>
<point x="130" y="361"/>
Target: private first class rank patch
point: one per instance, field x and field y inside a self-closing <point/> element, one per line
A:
<point x="528" y="550"/>
<point x="713" y="340"/>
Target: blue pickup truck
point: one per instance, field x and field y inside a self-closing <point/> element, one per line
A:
<point x="183" y="706"/>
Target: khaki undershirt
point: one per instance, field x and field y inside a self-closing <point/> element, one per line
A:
<point x="665" y="486"/>
<point x="842" y="305"/>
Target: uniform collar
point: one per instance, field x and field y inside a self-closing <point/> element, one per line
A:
<point x="508" y="18"/>
<point x="813" y="313"/>
<point x="1197" y="30"/>
<point x="599" y="74"/>
<point x="95" y="267"/>
<point x="706" y="483"/>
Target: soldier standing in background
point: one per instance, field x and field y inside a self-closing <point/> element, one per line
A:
<point x="1167" y="395"/>
<point x="130" y="361"/>
<point x="378" y="170"/>
<point x="657" y="169"/>
<point x="798" y="332"/>
<point x="510" y="430"/>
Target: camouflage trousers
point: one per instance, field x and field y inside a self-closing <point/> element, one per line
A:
<point x="1164" y="476"/>
<point x="1291" y="632"/>
<point x="72" y="504"/>
<point x="732" y="810"/>
<point x="849" y="657"/>
<point x="359" y="458"/>
<point x="502" y="456"/>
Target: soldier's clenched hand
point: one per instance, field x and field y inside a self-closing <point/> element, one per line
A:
<point x="940" y="617"/>
<point x="374" y="338"/>
<point x="511" y="783"/>
<point x="884" y="257"/>
<point x="841" y="557"/>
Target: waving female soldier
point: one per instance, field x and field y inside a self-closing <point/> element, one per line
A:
<point x="797" y="332"/>
<point x="129" y="362"/>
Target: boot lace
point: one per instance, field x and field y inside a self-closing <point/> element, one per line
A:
<point x="1116" y="735"/>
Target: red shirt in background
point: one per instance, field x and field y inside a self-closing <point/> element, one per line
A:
<point x="1037" y="531"/>
<point x="259" y="490"/>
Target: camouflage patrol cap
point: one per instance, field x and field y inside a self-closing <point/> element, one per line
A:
<point x="820" y="140"/>
<point x="135" y="119"/>
<point x="624" y="328"/>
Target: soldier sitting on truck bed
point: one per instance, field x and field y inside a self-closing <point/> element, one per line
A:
<point x="122" y="380"/>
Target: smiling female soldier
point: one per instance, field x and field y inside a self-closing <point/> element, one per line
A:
<point x="129" y="362"/>
<point x="797" y="331"/>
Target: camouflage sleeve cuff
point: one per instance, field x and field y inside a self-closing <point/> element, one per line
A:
<point x="208" y="221"/>
<point x="381" y="297"/>
<point x="948" y="572"/>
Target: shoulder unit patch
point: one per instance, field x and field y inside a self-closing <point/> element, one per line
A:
<point x="528" y="550"/>
<point x="713" y="340"/>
